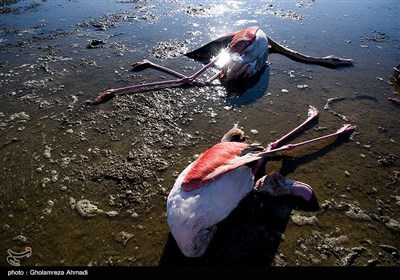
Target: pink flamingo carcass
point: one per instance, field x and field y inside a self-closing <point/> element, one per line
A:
<point x="240" y="54"/>
<point x="212" y="186"/>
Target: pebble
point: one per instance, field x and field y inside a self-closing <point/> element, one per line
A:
<point x="357" y="213"/>
<point x="389" y="248"/>
<point x="72" y="203"/>
<point x="84" y="158"/>
<point x="335" y="241"/>
<point x="47" y="152"/>
<point x="44" y="181"/>
<point x="397" y="200"/>
<point x="20" y="115"/>
<point x="20" y="239"/>
<point x="86" y="208"/>
<point x="393" y="224"/>
<point x="373" y="262"/>
<point x="302" y="220"/>
<point x="350" y="258"/>
<point x="49" y="208"/>
<point x="302" y="86"/>
<point x="111" y="213"/>
<point x="254" y="131"/>
<point x="54" y="176"/>
<point x="22" y="205"/>
<point x="65" y="161"/>
<point x="133" y="213"/>
<point x="382" y="130"/>
<point x="123" y="237"/>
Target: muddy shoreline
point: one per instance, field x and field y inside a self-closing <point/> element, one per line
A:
<point x="86" y="185"/>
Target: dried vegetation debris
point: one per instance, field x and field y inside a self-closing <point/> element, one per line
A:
<point x="8" y="10"/>
<point x="275" y="10"/>
<point x="142" y="11"/>
<point x="335" y="247"/>
<point x="120" y="170"/>
<point x="289" y="15"/>
<point x="354" y="211"/>
<point x="17" y="10"/>
<point x="88" y="209"/>
<point x="305" y="4"/>
<point x="132" y="1"/>
<point x="198" y="10"/>
<point x="168" y="49"/>
<point x="377" y="36"/>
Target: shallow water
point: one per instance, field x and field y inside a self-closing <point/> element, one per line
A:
<point x="125" y="154"/>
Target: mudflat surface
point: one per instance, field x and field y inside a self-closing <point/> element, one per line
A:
<point x="85" y="185"/>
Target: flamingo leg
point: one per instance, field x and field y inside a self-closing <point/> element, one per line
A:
<point x="312" y="115"/>
<point x="278" y="185"/>
<point x="213" y="77"/>
<point x="107" y="94"/>
<point x="276" y="147"/>
<point x="146" y="63"/>
<point x="347" y="128"/>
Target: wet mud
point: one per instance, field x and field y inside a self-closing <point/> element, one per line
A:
<point x="86" y="185"/>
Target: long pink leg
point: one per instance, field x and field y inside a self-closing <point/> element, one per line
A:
<point x="312" y="115"/>
<point x="277" y="185"/>
<point x="212" y="78"/>
<point x="347" y="128"/>
<point x="147" y="63"/>
<point x="107" y="94"/>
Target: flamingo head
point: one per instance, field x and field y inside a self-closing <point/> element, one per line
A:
<point x="334" y="61"/>
<point x="277" y="185"/>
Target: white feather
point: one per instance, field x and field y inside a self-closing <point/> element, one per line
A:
<point x="190" y="213"/>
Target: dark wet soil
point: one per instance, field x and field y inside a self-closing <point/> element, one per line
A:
<point x="85" y="185"/>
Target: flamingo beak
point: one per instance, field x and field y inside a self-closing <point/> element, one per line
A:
<point x="278" y="185"/>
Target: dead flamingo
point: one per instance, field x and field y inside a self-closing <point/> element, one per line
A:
<point x="240" y="54"/>
<point x="208" y="189"/>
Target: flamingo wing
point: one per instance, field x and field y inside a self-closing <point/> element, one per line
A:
<point x="214" y="162"/>
<point x="243" y="38"/>
<point x="205" y="53"/>
<point x="237" y="41"/>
